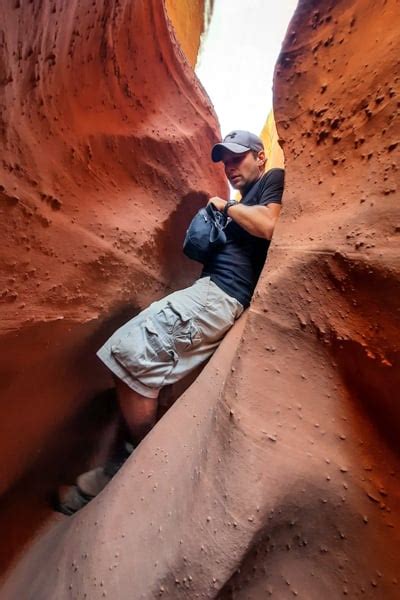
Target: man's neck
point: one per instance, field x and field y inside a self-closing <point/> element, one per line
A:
<point x="248" y="187"/>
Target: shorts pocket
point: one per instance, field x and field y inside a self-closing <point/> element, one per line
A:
<point x="144" y="351"/>
<point x="180" y="330"/>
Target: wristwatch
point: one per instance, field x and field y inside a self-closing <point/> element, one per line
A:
<point x="228" y="205"/>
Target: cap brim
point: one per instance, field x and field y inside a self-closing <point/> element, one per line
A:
<point x="216" y="152"/>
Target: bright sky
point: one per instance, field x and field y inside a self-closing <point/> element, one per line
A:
<point x="238" y="57"/>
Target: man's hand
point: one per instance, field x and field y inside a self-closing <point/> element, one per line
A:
<point x="219" y="203"/>
<point x="257" y="220"/>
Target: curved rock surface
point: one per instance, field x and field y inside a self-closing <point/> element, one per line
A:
<point x="190" y="19"/>
<point x="319" y="362"/>
<point x="104" y="157"/>
<point x="276" y="473"/>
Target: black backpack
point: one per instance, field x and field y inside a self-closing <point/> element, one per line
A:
<point x="205" y="233"/>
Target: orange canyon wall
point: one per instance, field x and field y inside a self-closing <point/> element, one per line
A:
<point x="319" y="362"/>
<point x="269" y="136"/>
<point x="105" y="134"/>
<point x="277" y="472"/>
<point x="190" y="21"/>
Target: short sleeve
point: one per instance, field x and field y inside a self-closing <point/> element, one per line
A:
<point x="272" y="189"/>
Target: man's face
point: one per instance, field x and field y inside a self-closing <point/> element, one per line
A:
<point x="241" y="169"/>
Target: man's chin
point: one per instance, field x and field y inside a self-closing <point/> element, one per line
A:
<point x="235" y="184"/>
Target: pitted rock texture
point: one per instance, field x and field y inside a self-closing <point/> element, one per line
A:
<point x="319" y="362"/>
<point x="276" y="473"/>
<point x="105" y="137"/>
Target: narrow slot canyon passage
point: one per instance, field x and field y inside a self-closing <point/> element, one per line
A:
<point x="276" y="472"/>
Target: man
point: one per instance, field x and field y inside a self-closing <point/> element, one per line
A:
<point x="178" y="333"/>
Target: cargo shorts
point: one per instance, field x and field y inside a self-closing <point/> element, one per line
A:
<point x="171" y="337"/>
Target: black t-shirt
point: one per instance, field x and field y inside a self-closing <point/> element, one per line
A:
<point x="236" y="267"/>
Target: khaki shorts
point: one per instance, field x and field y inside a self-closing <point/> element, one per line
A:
<point x="171" y="337"/>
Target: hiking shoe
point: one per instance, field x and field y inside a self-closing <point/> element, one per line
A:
<point x="91" y="483"/>
<point x="71" y="499"/>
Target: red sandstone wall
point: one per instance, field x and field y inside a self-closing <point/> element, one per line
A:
<point x="324" y="327"/>
<point x="105" y="135"/>
<point x="188" y="19"/>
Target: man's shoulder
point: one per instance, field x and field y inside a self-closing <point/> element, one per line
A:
<point x="275" y="175"/>
<point x="268" y="188"/>
<point x="271" y="187"/>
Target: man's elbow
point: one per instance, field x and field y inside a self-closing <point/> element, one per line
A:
<point x="269" y="230"/>
<point x="270" y="220"/>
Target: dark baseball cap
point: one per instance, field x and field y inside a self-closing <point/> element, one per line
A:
<point x="237" y="142"/>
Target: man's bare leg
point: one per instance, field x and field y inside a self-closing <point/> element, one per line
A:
<point x="139" y="412"/>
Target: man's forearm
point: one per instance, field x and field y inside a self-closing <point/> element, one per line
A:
<point x="256" y="220"/>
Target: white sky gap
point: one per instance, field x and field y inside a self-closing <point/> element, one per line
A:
<point x="238" y="57"/>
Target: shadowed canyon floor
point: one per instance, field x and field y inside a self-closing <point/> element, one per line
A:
<point x="277" y="472"/>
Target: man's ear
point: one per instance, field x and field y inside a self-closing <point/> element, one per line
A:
<point x="261" y="159"/>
